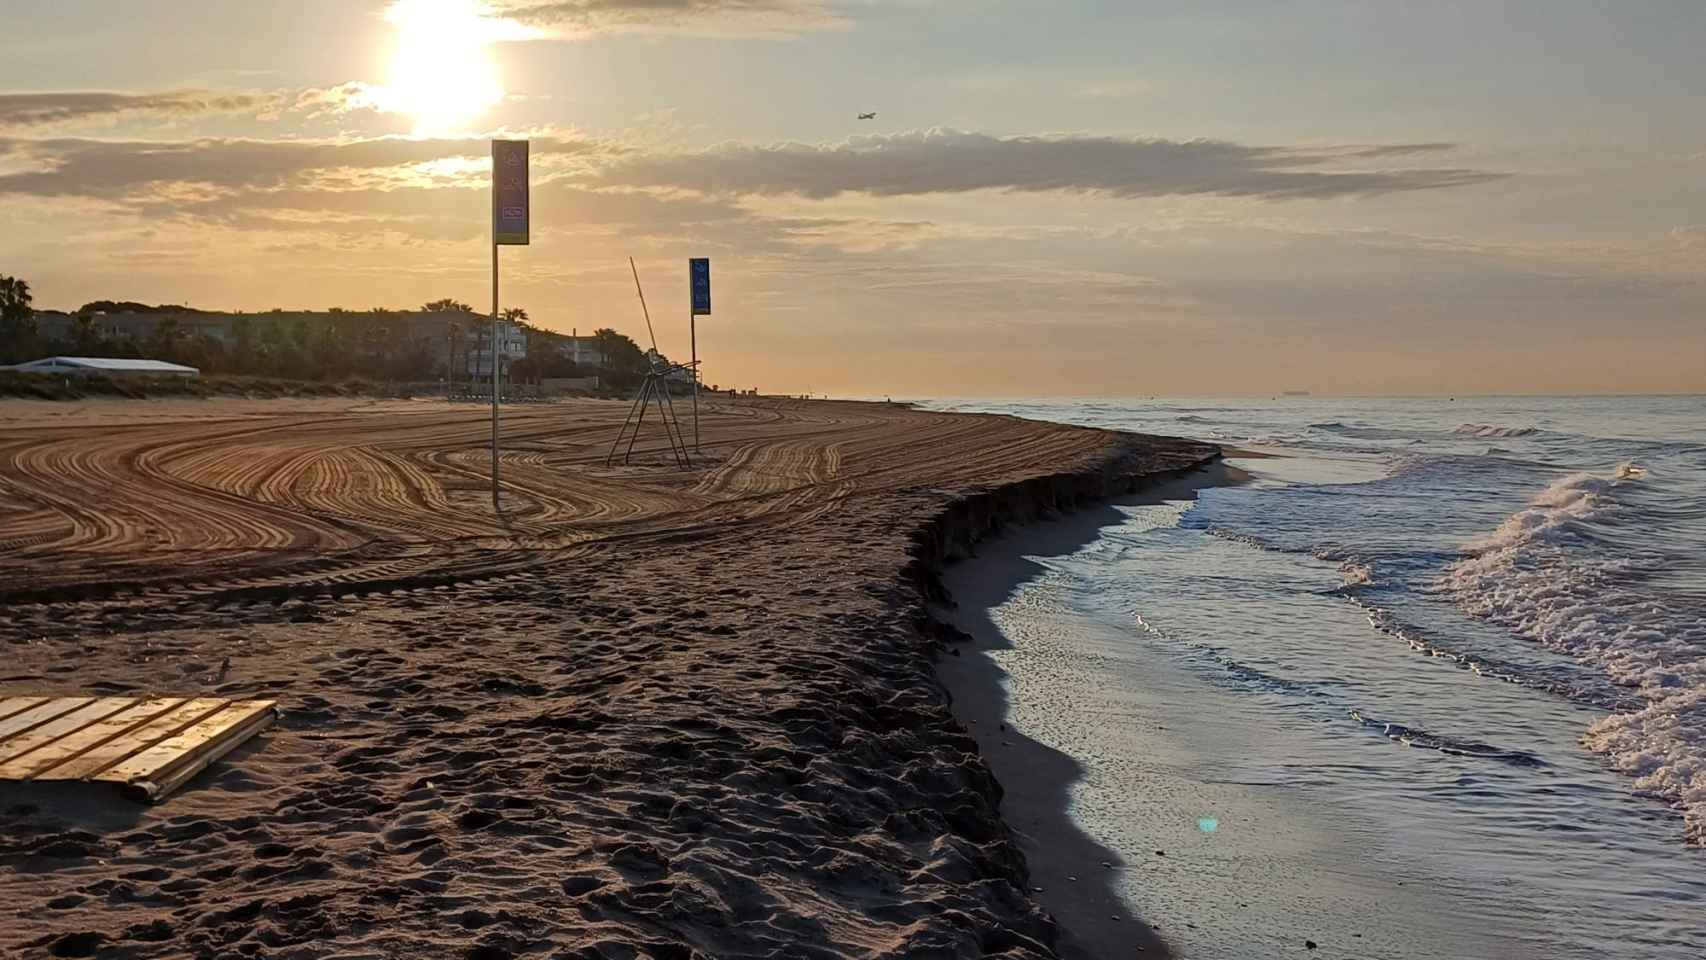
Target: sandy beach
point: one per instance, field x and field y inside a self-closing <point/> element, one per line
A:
<point x="641" y="712"/>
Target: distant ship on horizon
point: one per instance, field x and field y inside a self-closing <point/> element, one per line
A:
<point x="1297" y="393"/>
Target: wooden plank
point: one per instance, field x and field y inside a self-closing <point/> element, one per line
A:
<point x="168" y="779"/>
<point x="162" y="768"/>
<point x="93" y="735"/>
<point x="90" y="763"/>
<point x="23" y="743"/>
<point x="39" y="714"/>
<point x="15" y="705"/>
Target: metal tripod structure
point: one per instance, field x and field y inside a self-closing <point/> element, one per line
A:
<point x="653" y="389"/>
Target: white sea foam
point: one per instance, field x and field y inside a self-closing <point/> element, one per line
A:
<point x="1542" y="575"/>
<point x="1664" y="748"/>
<point x="1356" y="573"/>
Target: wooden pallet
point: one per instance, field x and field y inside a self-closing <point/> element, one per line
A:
<point x="148" y="747"/>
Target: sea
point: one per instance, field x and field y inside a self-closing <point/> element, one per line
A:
<point x="1431" y="683"/>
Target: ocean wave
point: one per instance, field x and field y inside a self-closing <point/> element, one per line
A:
<point x="1356" y="573"/>
<point x="1364" y="433"/>
<point x="1547" y="576"/>
<point x="1535" y="677"/>
<point x="1491" y="431"/>
<point x="1417" y="737"/>
<point x="1278" y="440"/>
<point x="1662" y="746"/>
<point x="1558" y="514"/>
<point x="1251" y="541"/>
<point x="1234" y="671"/>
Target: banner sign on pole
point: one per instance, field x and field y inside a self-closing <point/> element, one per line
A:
<point x="699" y="279"/>
<point x="509" y="192"/>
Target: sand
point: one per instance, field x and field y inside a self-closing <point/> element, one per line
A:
<point x="643" y="712"/>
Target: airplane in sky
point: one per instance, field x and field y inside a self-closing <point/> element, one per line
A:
<point x="868" y="116"/>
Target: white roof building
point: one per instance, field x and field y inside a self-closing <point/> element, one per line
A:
<point x="115" y="366"/>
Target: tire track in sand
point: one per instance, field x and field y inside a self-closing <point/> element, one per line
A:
<point x="280" y="500"/>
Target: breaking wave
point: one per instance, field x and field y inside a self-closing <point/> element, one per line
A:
<point x="1552" y="574"/>
<point x="1488" y="431"/>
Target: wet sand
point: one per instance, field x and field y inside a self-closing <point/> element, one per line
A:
<point x="1134" y="784"/>
<point x="642" y="712"/>
<point x="1071" y="873"/>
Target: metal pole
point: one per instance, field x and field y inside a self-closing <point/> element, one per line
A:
<point x="677" y="437"/>
<point x="693" y="336"/>
<point x="645" y="400"/>
<point x="494" y="359"/>
<point x="639" y="398"/>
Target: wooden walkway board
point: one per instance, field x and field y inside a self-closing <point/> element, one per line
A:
<point x="149" y="747"/>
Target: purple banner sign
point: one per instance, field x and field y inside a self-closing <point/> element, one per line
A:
<point x="509" y="192"/>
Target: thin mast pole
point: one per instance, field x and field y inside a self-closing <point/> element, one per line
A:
<point x="642" y="292"/>
<point x="494" y="334"/>
<point x="645" y="401"/>
<point x="693" y="337"/>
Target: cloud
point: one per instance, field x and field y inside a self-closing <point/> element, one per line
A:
<point x="951" y="161"/>
<point x="422" y="187"/>
<point x="1121" y="89"/>
<point x="131" y="169"/>
<point x="24" y="110"/>
<point x="430" y="189"/>
<point x="314" y="103"/>
<point x="720" y="17"/>
<point x="73" y="108"/>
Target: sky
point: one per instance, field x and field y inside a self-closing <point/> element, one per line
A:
<point x="1070" y="197"/>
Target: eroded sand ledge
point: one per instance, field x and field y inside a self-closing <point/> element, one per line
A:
<point x="646" y="714"/>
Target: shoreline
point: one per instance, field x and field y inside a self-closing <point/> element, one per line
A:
<point x="1272" y="686"/>
<point x="1070" y="873"/>
<point x="710" y="727"/>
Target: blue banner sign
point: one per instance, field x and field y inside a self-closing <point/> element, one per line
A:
<point x="699" y="281"/>
<point x="509" y="192"/>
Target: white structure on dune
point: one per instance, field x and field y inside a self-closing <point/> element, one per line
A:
<point x="582" y="351"/>
<point x="110" y="366"/>
<point x="512" y="346"/>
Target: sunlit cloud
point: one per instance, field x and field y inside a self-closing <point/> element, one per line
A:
<point x="69" y="108"/>
<point x="344" y="98"/>
<point x="952" y="161"/>
<point x="79" y="110"/>
<point x="910" y="164"/>
<point x="759" y="18"/>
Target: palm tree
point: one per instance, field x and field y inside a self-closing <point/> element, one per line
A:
<point x="85" y="339"/>
<point x="17" y="320"/>
<point x="163" y="341"/>
<point x="446" y="305"/>
<point x="243" y="344"/>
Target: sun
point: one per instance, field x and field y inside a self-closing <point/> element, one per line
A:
<point x="441" y="71"/>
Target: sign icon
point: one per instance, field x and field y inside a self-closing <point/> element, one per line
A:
<point x="699" y="283"/>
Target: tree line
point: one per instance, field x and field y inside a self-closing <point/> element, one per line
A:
<point x="336" y="345"/>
